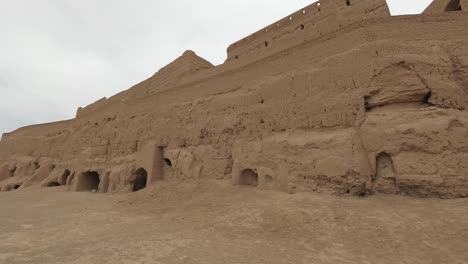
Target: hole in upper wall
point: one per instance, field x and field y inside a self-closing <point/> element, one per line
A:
<point x="303" y="11"/>
<point x="266" y="43"/>
<point x="168" y="162"/>
<point x="366" y="103"/>
<point x="348" y="2"/>
<point x="12" y="172"/>
<point x="453" y="5"/>
<point x="36" y="165"/>
<point x="427" y="100"/>
<point x="65" y="176"/>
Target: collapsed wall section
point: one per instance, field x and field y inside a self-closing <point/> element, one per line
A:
<point x="311" y="22"/>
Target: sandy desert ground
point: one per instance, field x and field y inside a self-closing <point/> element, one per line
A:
<point x="218" y="223"/>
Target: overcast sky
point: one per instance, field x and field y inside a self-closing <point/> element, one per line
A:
<point x="56" y="55"/>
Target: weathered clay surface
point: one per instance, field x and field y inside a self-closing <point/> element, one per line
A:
<point x="351" y="102"/>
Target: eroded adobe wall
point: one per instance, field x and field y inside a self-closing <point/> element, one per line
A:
<point x="373" y="100"/>
<point x="330" y="160"/>
<point x="313" y="21"/>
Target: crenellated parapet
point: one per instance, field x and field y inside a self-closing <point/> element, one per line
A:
<point x="312" y="21"/>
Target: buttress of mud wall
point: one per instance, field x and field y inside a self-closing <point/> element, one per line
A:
<point x="150" y="157"/>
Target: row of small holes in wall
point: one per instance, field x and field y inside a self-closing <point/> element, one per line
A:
<point x="301" y="26"/>
<point x="267" y="43"/>
<point x="278" y="24"/>
<point x="348" y="3"/>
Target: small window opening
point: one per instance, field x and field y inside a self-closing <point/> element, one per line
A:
<point x="53" y="184"/>
<point x="426" y="100"/>
<point x="366" y="103"/>
<point x="266" y="43"/>
<point x="302" y="27"/>
<point x="65" y="176"/>
<point x="348" y="2"/>
<point x="168" y="163"/>
<point x="12" y="172"/>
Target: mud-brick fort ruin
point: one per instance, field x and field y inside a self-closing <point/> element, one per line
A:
<point x="338" y="97"/>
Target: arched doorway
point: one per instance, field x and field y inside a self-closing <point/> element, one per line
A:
<point x="248" y="177"/>
<point x="141" y="178"/>
<point x="88" y="181"/>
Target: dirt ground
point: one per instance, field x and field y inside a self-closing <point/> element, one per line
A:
<point x="219" y="223"/>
